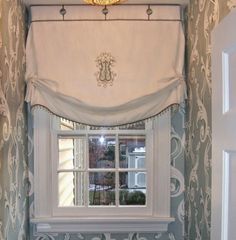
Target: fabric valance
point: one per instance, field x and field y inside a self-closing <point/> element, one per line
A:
<point x="105" y="73"/>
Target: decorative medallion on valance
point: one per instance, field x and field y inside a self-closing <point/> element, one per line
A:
<point x="105" y="72"/>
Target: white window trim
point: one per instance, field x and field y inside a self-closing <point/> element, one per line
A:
<point x="105" y="211"/>
<point x="155" y="219"/>
<point x="101" y="225"/>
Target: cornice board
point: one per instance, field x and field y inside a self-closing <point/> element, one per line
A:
<point x="50" y="2"/>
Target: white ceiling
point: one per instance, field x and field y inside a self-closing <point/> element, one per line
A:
<point x="39" y="2"/>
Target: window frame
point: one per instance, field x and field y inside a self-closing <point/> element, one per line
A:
<point x="49" y="218"/>
<point x="102" y="210"/>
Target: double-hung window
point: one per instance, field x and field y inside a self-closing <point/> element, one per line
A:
<point x="113" y="179"/>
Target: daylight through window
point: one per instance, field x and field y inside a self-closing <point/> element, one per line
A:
<point x="101" y="166"/>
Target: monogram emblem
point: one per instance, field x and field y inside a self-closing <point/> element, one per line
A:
<point x="105" y="75"/>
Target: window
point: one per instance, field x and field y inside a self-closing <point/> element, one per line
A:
<point x="114" y="179"/>
<point x="97" y="167"/>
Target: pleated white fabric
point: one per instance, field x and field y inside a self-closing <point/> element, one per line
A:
<point x="105" y="73"/>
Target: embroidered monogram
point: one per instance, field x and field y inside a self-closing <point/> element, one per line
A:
<point x="105" y="75"/>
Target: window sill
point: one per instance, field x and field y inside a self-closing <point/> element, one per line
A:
<point x="49" y="225"/>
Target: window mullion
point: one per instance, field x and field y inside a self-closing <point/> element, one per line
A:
<point x="117" y="170"/>
<point x="76" y="189"/>
<point x="75" y="173"/>
<point x="86" y="165"/>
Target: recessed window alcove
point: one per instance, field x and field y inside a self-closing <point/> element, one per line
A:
<point x="101" y="72"/>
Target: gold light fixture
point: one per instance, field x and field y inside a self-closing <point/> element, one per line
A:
<point x="103" y="2"/>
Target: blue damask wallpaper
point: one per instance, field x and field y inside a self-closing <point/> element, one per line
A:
<point x="13" y="141"/>
<point x="191" y="138"/>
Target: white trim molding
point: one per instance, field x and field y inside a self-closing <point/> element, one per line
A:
<point x="97" y="225"/>
<point x="153" y="217"/>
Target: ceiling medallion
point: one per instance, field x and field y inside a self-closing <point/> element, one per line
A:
<point x="103" y="2"/>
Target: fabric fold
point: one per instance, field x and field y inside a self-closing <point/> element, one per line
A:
<point x="130" y="112"/>
<point x="105" y="73"/>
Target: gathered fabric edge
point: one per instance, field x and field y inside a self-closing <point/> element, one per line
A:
<point x="137" y="110"/>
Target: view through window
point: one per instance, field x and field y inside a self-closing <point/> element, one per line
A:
<point x="101" y="166"/>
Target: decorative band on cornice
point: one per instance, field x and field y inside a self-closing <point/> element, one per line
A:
<point x="128" y="12"/>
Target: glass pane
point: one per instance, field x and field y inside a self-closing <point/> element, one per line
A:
<point x="66" y="186"/>
<point x="132" y="188"/>
<point x="102" y="151"/>
<point x="132" y="151"/>
<point x="72" y="153"/>
<point x="66" y="153"/>
<point x="71" y="189"/>
<point x="102" y="188"/>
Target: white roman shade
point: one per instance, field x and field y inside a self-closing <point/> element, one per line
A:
<point x="105" y="72"/>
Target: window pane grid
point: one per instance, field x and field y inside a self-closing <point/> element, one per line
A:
<point x="118" y="197"/>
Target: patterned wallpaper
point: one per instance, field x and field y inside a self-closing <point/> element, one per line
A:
<point x="203" y="16"/>
<point x="13" y="141"/>
<point x="194" y="221"/>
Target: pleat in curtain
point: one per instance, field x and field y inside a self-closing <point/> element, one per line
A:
<point x="105" y="73"/>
